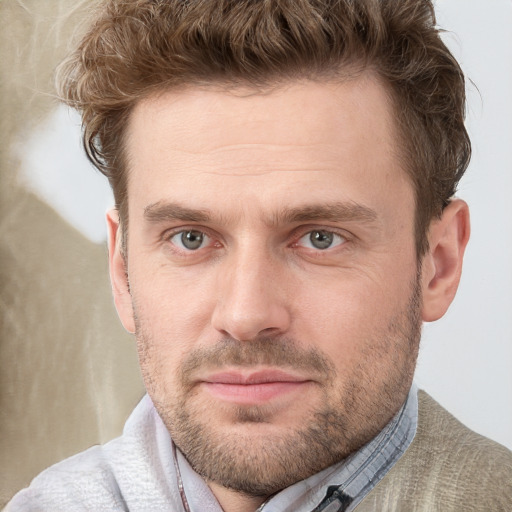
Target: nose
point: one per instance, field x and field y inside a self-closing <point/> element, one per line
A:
<point x="251" y="297"/>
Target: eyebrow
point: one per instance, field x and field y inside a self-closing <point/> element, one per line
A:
<point x="334" y="212"/>
<point x="162" y="212"/>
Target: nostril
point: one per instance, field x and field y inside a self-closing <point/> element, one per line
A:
<point x="269" y="331"/>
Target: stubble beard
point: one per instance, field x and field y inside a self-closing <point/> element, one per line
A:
<point x="347" y="418"/>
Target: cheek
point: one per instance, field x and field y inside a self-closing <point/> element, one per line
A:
<point x="170" y="293"/>
<point x="173" y="314"/>
<point x="174" y="323"/>
<point x="346" y="312"/>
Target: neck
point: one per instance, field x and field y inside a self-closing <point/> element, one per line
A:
<point x="234" y="501"/>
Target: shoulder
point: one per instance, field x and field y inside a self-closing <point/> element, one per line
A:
<point x="128" y="473"/>
<point x="461" y="464"/>
<point x="447" y="468"/>
<point x="82" y="482"/>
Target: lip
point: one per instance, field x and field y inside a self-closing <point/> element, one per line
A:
<point x="253" y="387"/>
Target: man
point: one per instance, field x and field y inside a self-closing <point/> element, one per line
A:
<point x="284" y="174"/>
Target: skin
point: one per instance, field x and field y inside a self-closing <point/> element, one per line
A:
<point x="255" y="174"/>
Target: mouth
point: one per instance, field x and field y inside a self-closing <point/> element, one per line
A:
<point x="253" y="388"/>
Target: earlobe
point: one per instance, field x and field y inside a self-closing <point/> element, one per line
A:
<point x="118" y="272"/>
<point x="442" y="265"/>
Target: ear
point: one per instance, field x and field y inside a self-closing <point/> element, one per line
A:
<point x="119" y="272"/>
<point x="442" y="265"/>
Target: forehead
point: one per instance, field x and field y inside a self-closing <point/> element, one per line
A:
<point x="326" y="139"/>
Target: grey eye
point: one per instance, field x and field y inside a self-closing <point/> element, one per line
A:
<point x="321" y="239"/>
<point x="190" y="240"/>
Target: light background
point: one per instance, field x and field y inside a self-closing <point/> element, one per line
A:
<point x="465" y="360"/>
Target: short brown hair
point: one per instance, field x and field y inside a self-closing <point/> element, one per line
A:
<point x="137" y="47"/>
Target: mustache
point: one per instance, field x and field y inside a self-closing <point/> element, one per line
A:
<point x="262" y="351"/>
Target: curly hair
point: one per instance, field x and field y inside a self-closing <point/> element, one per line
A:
<point x="135" y="48"/>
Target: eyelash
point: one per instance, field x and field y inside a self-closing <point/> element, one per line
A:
<point x="169" y="235"/>
<point x="342" y="239"/>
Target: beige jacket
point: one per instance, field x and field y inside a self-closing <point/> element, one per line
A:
<point x="447" y="468"/>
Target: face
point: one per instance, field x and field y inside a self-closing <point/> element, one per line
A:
<point x="273" y="280"/>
